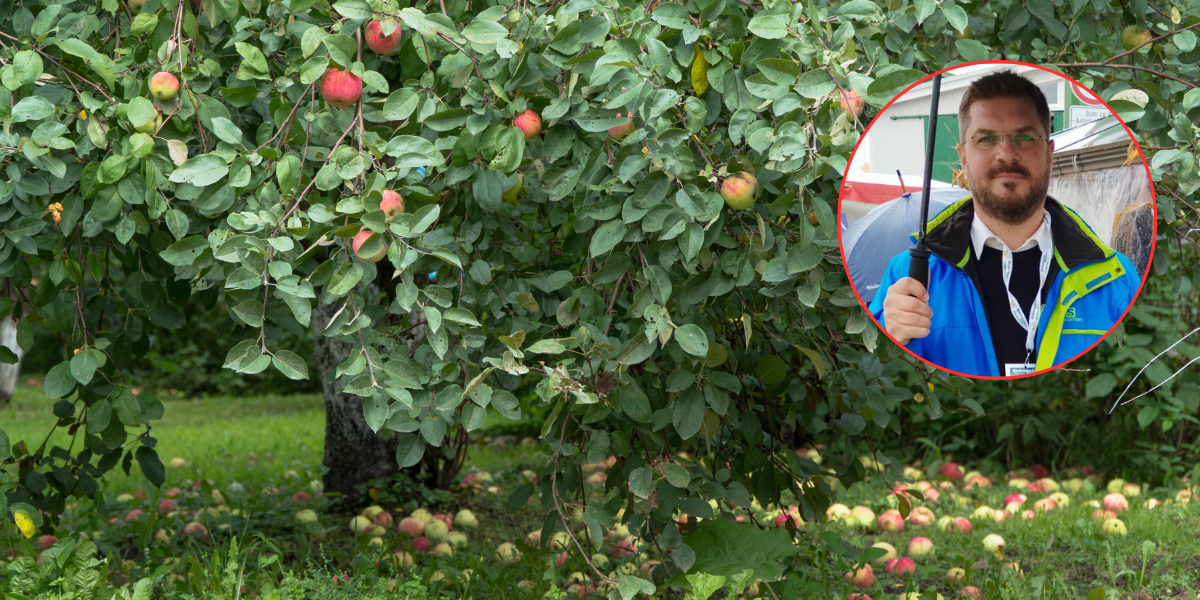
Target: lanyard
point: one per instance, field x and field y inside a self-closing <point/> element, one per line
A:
<point x="1030" y="323"/>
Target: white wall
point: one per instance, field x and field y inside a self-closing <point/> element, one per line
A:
<point x="900" y="143"/>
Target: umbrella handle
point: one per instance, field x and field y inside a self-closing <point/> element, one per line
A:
<point x="918" y="265"/>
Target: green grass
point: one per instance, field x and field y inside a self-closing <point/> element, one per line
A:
<point x="225" y="438"/>
<point x="255" y="440"/>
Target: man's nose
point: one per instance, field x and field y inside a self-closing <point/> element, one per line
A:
<point x="1007" y="148"/>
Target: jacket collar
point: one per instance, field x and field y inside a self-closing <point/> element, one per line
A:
<point x="949" y="235"/>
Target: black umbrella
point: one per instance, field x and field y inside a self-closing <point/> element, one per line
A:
<point x="872" y="241"/>
<point x="918" y="266"/>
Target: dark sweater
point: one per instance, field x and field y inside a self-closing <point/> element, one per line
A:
<point x="1008" y="336"/>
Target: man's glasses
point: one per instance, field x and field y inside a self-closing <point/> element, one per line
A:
<point x="992" y="141"/>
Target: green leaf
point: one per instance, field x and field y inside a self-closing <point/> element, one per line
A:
<point x="311" y="40"/>
<point x="409" y="450"/>
<point x="692" y="339"/>
<point x="852" y="423"/>
<point x="595" y="124"/>
<point x="770" y="369"/>
<point x="59" y="382"/>
<point x="858" y="8"/>
<point x="1101" y="385"/>
<point x="152" y="468"/>
<point x="815" y="84"/>
<point x="638" y="349"/>
<point x="447" y="256"/>
<point x="226" y="130"/>
<point x="375" y="411"/>
<point x="141" y="145"/>
<point x="140" y="111"/>
<point x="345" y="278"/>
<point x="84" y="364"/>
<point x="726" y="549"/>
<point x="688" y="414"/>
<point x="704" y="585"/>
<point x="1126" y="110"/>
<point x="358" y="10"/>
<point x="957" y="17"/>
<point x="1147" y="415"/>
<point x="85" y="51"/>
<point x="32" y="108"/>
<point x="677" y="475"/>
<point x="26" y="69"/>
<point x="925" y="8"/>
<point x="461" y="315"/>
<point x="641" y="482"/>
<point x="143" y="23"/>
<point x="607" y="237"/>
<point x="250" y="311"/>
<point x="183" y="252"/>
<point x="375" y="81"/>
<point x="972" y="50"/>
<point x="254" y="64"/>
<point x="400" y="105"/>
<point x="484" y="31"/>
<point x="1185" y="40"/>
<point x="201" y="171"/>
<point x="896" y="80"/>
<point x="767" y="26"/>
<point x="629" y="586"/>
<point x="670" y="14"/>
<point x="290" y="364"/>
<point x="549" y="346"/>
<point x="423" y="218"/>
<point x="129" y="411"/>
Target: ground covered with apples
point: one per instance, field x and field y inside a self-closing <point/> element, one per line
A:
<point x="243" y="515"/>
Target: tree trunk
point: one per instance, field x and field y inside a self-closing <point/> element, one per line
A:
<point x="9" y="373"/>
<point x="353" y="453"/>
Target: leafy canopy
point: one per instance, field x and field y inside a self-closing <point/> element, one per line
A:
<point x="698" y="344"/>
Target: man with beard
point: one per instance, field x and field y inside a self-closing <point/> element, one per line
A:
<point x="1018" y="282"/>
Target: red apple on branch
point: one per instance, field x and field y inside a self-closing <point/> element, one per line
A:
<point x="529" y="123"/>
<point x="380" y="43"/>
<point x="340" y="88"/>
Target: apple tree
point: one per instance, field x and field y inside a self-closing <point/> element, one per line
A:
<point x="585" y="256"/>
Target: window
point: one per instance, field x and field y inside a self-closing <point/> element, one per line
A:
<point x="1052" y="92"/>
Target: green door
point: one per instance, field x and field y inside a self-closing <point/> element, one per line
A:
<point x="945" y="156"/>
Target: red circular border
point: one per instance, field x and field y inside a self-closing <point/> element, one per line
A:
<point x="1154" y="208"/>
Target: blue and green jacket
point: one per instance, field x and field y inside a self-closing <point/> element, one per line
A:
<point x="1093" y="286"/>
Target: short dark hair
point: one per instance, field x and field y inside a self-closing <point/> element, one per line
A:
<point x="1002" y="84"/>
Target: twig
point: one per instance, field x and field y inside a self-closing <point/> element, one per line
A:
<point x="1149" y="41"/>
<point x="1101" y="65"/>
<point x="60" y="65"/>
<point x="288" y="120"/>
<point x="358" y="109"/>
<point x="296" y="200"/>
<point x="464" y="51"/>
<point x="613" y="301"/>
<point x="1147" y="365"/>
<point x="561" y="517"/>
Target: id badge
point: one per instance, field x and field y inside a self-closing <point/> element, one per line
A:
<point x="1011" y="369"/>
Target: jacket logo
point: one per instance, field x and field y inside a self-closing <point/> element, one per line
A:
<point x="1071" y="316"/>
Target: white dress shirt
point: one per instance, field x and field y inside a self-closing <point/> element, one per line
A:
<point x="981" y="236"/>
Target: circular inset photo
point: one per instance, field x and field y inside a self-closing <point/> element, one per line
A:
<point x="998" y="218"/>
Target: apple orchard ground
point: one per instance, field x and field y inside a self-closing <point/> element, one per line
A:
<point x="255" y="440"/>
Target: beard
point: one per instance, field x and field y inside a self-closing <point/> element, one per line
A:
<point x="1010" y="206"/>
